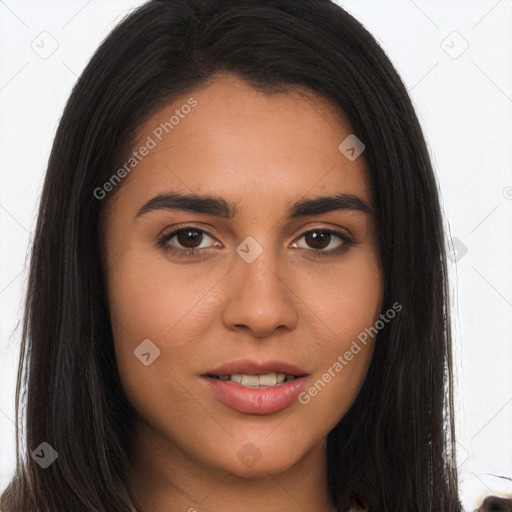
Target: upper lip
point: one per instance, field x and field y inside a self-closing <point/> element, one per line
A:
<point x="251" y="367"/>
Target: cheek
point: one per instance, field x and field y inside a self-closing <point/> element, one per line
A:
<point x="345" y="299"/>
<point x="151" y="298"/>
<point x="149" y="302"/>
<point x="330" y="392"/>
<point x="347" y="304"/>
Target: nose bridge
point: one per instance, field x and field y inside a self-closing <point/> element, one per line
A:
<point x="260" y="299"/>
<point x="258" y="263"/>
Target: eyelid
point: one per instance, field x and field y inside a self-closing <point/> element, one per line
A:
<point x="163" y="239"/>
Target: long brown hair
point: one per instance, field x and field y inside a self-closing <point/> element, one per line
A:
<point x="395" y="446"/>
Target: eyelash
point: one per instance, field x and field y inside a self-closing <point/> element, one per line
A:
<point x="316" y="253"/>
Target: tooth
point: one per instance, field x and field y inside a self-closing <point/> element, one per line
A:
<point x="256" y="381"/>
<point x="268" y="379"/>
<point x="250" y="380"/>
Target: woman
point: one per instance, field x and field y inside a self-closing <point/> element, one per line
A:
<point x="264" y="369"/>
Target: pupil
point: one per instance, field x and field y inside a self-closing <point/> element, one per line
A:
<point x="315" y="239"/>
<point x="187" y="236"/>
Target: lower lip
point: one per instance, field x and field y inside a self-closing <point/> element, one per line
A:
<point x="266" y="400"/>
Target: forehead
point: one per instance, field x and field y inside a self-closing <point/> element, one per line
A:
<point x="235" y="141"/>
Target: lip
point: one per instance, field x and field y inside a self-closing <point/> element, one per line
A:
<point x="255" y="367"/>
<point x="256" y="401"/>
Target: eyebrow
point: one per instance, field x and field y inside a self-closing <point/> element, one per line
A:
<point x="219" y="207"/>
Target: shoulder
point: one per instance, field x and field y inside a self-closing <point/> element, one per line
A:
<point x="496" y="504"/>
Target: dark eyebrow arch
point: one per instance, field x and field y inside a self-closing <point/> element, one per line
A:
<point x="219" y="207"/>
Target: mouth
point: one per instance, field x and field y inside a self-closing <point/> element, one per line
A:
<point x="256" y="388"/>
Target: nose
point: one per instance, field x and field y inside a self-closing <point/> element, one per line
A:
<point x="260" y="299"/>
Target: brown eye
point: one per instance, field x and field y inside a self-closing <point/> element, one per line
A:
<point x="189" y="238"/>
<point x="186" y="240"/>
<point x="318" y="239"/>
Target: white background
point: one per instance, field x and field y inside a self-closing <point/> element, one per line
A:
<point x="464" y="101"/>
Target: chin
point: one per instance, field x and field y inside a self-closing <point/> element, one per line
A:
<point x="257" y="459"/>
<point x="262" y="469"/>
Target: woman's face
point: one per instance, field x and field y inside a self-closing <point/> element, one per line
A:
<point x="251" y="285"/>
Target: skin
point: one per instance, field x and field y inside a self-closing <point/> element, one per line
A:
<point x="261" y="152"/>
